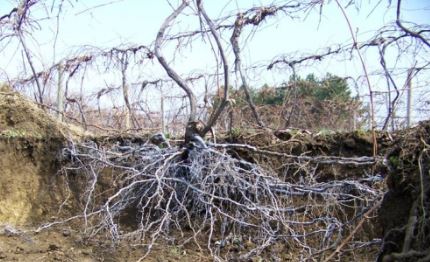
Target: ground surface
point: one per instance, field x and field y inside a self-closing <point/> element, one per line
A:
<point x="65" y="244"/>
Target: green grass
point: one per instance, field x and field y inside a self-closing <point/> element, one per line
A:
<point x="17" y="133"/>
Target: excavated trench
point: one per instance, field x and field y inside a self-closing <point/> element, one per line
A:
<point x="33" y="192"/>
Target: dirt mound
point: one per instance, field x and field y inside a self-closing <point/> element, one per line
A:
<point x="30" y="143"/>
<point x="20" y="117"/>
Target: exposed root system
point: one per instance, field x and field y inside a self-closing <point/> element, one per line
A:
<point x="231" y="207"/>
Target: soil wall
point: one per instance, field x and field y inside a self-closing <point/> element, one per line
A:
<point x="30" y="147"/>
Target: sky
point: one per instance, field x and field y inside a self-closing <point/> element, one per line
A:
<point x="109" y="23"/>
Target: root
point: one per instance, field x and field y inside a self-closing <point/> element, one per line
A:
<point x="204" y="195"/>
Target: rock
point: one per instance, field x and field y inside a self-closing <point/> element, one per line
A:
<point x="66" y="233"/>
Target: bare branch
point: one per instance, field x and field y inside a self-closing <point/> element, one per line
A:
<point x="215" y="115"/>
<point x="167" y="67"/>
<point x="318" y="57"/>
<point x="234" y="40"/>
<point x="417" y="35"/>
<point x="369" y="86"/>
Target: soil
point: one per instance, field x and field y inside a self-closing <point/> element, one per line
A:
<point x="404" y="210"/>
<point x="67" y="244"/>
<point x="32" y="192"/>
<point x="30" y="143"/>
